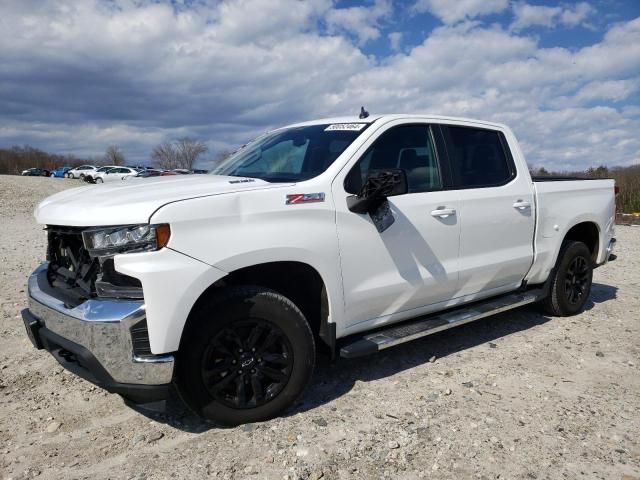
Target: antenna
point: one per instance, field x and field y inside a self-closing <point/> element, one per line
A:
<point x="363" y="113"/>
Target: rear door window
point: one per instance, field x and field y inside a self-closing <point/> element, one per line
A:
<point x="478" y="157"/>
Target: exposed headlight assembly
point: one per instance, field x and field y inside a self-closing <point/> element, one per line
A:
<point x="127" y="238"/>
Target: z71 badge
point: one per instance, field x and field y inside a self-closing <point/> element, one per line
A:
<point x="296" y="198"/>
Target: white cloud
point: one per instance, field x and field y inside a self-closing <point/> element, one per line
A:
<point x="552" y="97"/>
<point x="361" y="22"/>
<point x="526" y="15"/>
<point x="614" y="90"/>
<point x="576" y="15"/>
<point x="77" y="77"/>
<point x="452" y="11"/>
<point x="395" y="40"/>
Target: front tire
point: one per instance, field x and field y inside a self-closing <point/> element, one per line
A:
<point x="99" y="180"/>
<point x="571" y="282"/>
<point x="247" y="356"/>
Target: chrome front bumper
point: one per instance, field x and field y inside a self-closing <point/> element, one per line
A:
<point x="101" y="329"/>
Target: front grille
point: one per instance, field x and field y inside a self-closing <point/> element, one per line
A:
<point x="70" y="266"/>
<point x="81" y="276"/>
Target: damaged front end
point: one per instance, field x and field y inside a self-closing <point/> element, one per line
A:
<point x="90" y="317"/>
<point x="80" y="273"/>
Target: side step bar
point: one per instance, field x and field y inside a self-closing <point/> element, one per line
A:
<point x="373" y="342"/>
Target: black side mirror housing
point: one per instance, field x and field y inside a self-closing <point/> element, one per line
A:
<point x="379" y="185"/>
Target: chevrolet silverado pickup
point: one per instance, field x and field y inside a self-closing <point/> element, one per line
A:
<point x="346" y="235"/>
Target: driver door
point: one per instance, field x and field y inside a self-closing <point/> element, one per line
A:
<point x="397" y="273"/>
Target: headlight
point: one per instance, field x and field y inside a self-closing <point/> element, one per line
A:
<point x="129" y="238"/>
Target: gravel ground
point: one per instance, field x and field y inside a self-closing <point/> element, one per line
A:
<point x="518" y="395"/>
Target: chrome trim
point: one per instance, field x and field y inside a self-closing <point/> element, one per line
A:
<point x="93" y="310"/>
<point x="102" y="326"/>
<point x="153" y="359"/>
<point x="610" y="247"/>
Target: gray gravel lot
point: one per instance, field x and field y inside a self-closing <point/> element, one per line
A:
<point x="516" y="396"/>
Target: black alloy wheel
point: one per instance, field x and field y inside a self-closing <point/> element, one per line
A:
<point x="247" y="364"/>
<point x="570" y="280"/>
<point x="576" y="280"/>
<point x="246" y="355"/>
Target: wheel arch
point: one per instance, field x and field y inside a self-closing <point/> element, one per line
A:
<point x="587" y="232"/>
<point x="301" y="282"/>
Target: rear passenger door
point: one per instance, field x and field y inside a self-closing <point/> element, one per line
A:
<point x="496" y="218"/>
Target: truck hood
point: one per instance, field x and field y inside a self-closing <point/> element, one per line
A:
<point x="128" y="202"/>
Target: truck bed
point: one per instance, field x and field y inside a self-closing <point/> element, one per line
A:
<point x="562" y="202"/>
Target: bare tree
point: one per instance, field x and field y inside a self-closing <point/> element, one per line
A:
<point x="188" y="151"/>
<point x="182" y="153"/>
<point x="114" y="156"/>
<point x="165" y="156"/>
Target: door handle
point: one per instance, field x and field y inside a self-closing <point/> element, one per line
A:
<point x="521" y="205"/>
<point x="443" y="212"/>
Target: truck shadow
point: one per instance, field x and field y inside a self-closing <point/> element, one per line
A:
<point x="332" y="381"/>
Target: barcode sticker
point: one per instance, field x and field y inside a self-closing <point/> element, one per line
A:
<point x="353" y="127"/>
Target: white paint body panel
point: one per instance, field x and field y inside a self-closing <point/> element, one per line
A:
<point x="562" y="205"/>
<point x="172" y="282"/>
<point x="122" y="203"/>
<point x="420" y="264"/>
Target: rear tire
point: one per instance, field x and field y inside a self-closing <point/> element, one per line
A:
<point x="571" y="282"/>
<point x="247" y="356"/>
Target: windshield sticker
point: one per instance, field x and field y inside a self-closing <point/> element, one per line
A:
<point x="351" y="127"/>
<point x="242" y="180"/>
<point x="298" y="198"/>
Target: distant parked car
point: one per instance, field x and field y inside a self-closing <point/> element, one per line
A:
<point x="200" y="171"/>
<point x="168" y="172"/>
<point x="140" y="167"/>
<point x="60" y="172"/>
<point x="182" y="171"/>
<point x="90" y="176"/>
<point x="117" y="173"/>
<point x="36" y="172"/>
<point x="145" y="174"/>
<point x="81" y="171"/>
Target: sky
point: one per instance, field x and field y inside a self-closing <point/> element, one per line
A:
<point x="78" y="76"/>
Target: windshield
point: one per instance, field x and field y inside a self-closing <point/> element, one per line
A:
<point x="292" y="154"/>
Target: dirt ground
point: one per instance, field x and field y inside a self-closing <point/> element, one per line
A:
<point x="515" y="396"/>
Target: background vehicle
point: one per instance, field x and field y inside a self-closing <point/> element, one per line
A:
<point x="145" y="174"/>
<point x="345" y="235"/>
<point x="112" y="174"/>
<point x="35" y="172"/>
<point x="60" y="172"/>
<point x="90" y="176"/>
<point x="81" y="171"/>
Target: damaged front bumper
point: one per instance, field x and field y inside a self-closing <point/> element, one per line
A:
<point x="95" y="340"/>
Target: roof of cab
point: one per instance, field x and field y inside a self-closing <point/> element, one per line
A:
<point x="396" y="116"/>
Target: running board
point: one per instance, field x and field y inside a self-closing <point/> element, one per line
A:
<point x="422" y="326"/>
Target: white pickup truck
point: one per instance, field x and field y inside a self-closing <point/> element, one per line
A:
<point x="348" y="235"/>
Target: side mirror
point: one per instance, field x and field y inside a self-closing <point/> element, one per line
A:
<point x="379" y="185"/>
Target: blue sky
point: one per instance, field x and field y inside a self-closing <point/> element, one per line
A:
<point x="78" y="76"/>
